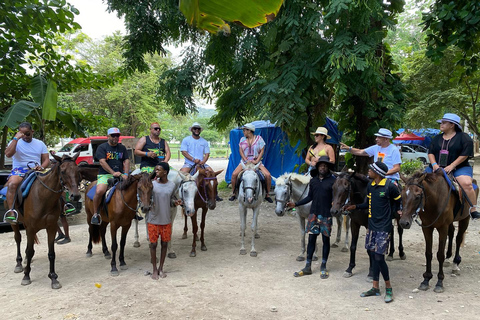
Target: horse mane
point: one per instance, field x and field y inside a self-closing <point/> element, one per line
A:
<point x="124" y="184"/>
<point x="429" y="177"/>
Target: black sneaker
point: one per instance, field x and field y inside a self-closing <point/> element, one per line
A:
<point x="138" y="217"/>
<point x="218" y="199"/>
<point x="269" y="199"/>
<point x="370" y="293"/>
<point x="59" y="237"/>
<point x="96" y="220"/>
<point x="66" y="240"/>
<point x="232" y="198"/>
<point x="475" y="215"/>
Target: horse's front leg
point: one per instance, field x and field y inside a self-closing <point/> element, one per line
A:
<point x="427" y="275"/>
<point x="136" y="243"/>
<point x="442" y="239"/>
<point x="401" y="253"/>
<point x="301" y="221"/>
<point x="256" y="212"/>
<point x="51" y="256"/>
<point x="18" y="241"/>
<point x="171" y="254"/>
<point x="29" y="252"/>
<point x="103" y="232"/>
<point x="123" y="241"/>
<point x="355" y="228"/>
<point x="185" y="227"/>
<point x="392" y="245"/>
<point x="202" y="229"/>
<point x="462" y="227"/>
<point x="451" y="232"/>
<point x="193" y="253"/>
<point x="339" y="232"/>
<point x="113" y="263"/>
<point x="347" y="233"/>
<point x="243" y="218"/>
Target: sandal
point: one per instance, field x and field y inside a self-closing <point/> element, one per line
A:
<point x="370" y="293"/>
<point x="324" y="274"/>
<point x="303" y="272"/>
<point x="388" y="295"/>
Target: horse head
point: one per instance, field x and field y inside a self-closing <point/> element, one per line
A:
<point x="283" y="188"/>
<point x="70" y="176"/>
<point x="413" y="199"/>
<point x="341" y="193"/>
<point x="211" y="184"/>
<point x="187" y="191"/>
<point x="145" y="192"/>
<point x="250" y="185"/>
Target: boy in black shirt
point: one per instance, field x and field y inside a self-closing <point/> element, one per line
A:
<point x="381" y="198"/>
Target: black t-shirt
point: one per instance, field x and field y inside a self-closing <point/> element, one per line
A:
<point x="380" y="201"/>
<point x="459" y="145"/>
<point x="115" y="156"/>
<point x="321" y="195"/>
<point x="158" y="148"/>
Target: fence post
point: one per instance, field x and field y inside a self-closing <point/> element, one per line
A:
<point x="178" y="154"/>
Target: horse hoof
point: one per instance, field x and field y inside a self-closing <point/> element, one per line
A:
<point x="257" y="236"/>
<point x="344" y="250"/>
<point x="108" y="256"/>
<point x="136" y="244"/>
<point x="26" y="282"/>
<point x="114" y="273"/>
<point x="347" y="274"/>
<point x="184" y="236"/>
<point x="172" y="255"/>
<point x="369" y="279"/>
<point x="334" y="245"/>
<point x="438" y="289"/>
<point x="88" y="255"/>
<point x="315" y="258"/>
<point x="389" y="258"/>
<point x="423" y="287"/>
<point x="56" y="285"/>
<point x="124" y="267"/>
<point x="253" y="254"/>
<point x="243" y="251"/>
<point x="404" y="257"/>
<point x="18" y="269"/>
<point x="300" y="258"/>
<point x="204" y="248"/>
<point x="193" y="254"/>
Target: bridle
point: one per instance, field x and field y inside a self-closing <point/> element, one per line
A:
<point x="181" y="190"/>
<point x="204" y="185"/>
<point x="38" y="174"/>
<point x="289" y="193"/>
<point x="254" y="189"/>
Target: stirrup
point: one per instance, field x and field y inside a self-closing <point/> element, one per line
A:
<point x="69" y="209"/>
<point x="99" y="217"/>
<point x="9" y="218"/>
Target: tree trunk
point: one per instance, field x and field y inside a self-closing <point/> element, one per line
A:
<point x="3" y="147"/>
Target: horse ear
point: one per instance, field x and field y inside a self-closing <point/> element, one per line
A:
<point x="195" y="176"/>
<point x="181" y="174"/>
<point x="218" y="172"/>
<point x="76" y="156"/>
<point x="56" y="157"/>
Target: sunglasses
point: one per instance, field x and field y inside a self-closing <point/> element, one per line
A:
<point x="196" y="128"/>
<point x="115" y="135"/>
<point x="28" y="134"/>
<point x="157" y="129"/>
<point x="318" y="135"/>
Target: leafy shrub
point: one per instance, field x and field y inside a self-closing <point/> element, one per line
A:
<point x="409" y="167"/>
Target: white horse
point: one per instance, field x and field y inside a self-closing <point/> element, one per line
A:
<point x="185" y="189"/>
<point x="294" y="187"/>
<point x="250" y="196"/>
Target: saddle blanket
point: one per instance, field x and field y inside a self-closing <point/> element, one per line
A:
<point x="108" y="194"/>
<point x="25" y="186"/>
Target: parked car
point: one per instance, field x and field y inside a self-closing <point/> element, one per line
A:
<point x="414" y="152"/>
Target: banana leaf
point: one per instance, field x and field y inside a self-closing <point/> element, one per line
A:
<point x="17" y="113"/>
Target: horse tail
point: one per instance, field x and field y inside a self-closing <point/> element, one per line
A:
<point x="95" y="233"/>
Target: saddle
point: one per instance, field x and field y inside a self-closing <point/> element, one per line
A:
<point x="24" y="188"/>
<point x="112" y="185"/>
<point x="457" y="190"/>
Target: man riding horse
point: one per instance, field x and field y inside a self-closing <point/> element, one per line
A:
<point x="114" y="162"/>
<point x="25" y="151"/>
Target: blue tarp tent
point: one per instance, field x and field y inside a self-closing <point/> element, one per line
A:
<point x="428" y="133"/>
<point x="279" y="156"/>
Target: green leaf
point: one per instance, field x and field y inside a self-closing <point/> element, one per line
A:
<point x="211" y="15"/>
<point x="17" y="113"/>
<point x="39" y="89"/>
<point x="49" y="109"/>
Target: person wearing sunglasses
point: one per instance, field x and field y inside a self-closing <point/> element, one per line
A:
<point x="152" y="149"/>
<point x="196" y="151"/>
<point x="319" y="149"/>
<point x="25" y="150"/>
<point x="114" y="162"/>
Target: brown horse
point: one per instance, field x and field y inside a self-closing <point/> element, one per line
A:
<point x="121" y="210"/>
<point x="41" y="210"/>
<point x="429" y="196"/>
<point x="204" y="199"/>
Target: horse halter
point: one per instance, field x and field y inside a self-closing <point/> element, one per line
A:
<point x="181" y="191"/>
<point x="254" y="189"/>
<point x="421" y="204"/>
<point x="62" y="184"/>
<point x="205" y="196"/>
<point x="288" y="192"/>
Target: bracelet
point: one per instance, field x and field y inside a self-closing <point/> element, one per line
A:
<point x="434" y="164"/>
<point x="15" y="138"/>
<point x="146" y="154"/>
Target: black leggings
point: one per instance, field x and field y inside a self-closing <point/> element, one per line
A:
<point x="379" y="265"/>
<point x="312" y="241"/>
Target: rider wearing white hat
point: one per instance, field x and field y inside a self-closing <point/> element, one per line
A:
<point x="383" y="151"/>
<point x="319" y="148"/>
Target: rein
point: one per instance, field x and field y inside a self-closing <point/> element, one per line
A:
<point x="205" y="198"/>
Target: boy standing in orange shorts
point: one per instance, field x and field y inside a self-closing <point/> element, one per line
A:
<point x="158" y="220"/>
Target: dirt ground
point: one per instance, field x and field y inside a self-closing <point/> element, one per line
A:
<point x="222" y="284"/>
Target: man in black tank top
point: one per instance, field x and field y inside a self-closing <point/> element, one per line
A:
<point x="152" y="149"/>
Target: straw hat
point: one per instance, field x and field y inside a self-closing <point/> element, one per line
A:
<point x="322" y="130"/>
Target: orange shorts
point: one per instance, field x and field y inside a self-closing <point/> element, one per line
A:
<point x="155" y="231"/>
